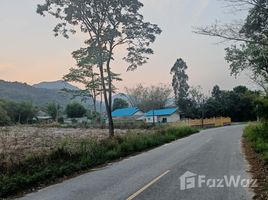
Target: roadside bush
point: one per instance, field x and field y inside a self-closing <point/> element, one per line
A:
<point x="263" y="108"/>
<point x="72" y="157"/>
<point x="257" y="135"/>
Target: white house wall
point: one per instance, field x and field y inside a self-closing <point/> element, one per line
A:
<point x="151" y="119"/>
<point x="170" y="118"/>
<point x="139" y="113"/>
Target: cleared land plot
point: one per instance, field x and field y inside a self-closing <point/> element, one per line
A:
<point x="19" y="142"/>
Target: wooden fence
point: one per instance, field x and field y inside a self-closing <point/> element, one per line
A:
<point x="212" y="122"/>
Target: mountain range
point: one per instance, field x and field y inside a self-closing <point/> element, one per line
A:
<point x="55" y="85"/>
<point x="40" y="94"/>
<point x="45" y="92"/>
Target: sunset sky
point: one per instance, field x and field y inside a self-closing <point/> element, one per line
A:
<point x="30" y="53"/>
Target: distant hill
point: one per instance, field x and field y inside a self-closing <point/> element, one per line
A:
<point x="38" y="95"/>
<point x="43" y="93"/>
<point x="55" y="85"/>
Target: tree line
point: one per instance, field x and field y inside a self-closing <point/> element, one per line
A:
<point x="26" y="112"/>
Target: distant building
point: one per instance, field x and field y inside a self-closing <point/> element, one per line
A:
<point x="127" y="114"/>
<point x="166" y="115"/>
<point x="43" y="117"/>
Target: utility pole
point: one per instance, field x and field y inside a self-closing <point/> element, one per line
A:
<point x="203" y="112"/>
<point x="153" y="118"/>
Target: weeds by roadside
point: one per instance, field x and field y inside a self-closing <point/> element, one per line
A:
<point x="257" y="135"/>
<point x="255" y="144"/>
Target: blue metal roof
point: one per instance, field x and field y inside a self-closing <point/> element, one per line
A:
<point x="161" y="112"/>
<point x="125" y="112"/>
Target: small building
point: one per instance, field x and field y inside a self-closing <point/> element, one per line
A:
<point x="42" y="116"/>
<point x="132" y="113"/>
<point x="166" y="115"/>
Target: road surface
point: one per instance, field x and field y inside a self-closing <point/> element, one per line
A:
<point x="155" y="175"/>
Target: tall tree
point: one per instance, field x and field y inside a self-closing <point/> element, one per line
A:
<point x="180" y="85"/>
<point x="196" y="103"/>
<point x="26" y="112"/>
<point x="216" y="92"/>
<point x="239" y="104"/>
<point x="4" y="118"/>
<point x="108" y="24"/>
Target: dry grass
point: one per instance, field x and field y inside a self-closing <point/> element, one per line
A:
<point x="19" y="142"/>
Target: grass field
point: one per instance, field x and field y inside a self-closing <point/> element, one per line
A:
<point x="32" y="156"/>
<point x="18" y="142"/>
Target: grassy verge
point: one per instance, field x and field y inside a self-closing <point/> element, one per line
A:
<point x="72" y="157"/>
<point x="256" y="150"/>
<point x="257" y="135"/>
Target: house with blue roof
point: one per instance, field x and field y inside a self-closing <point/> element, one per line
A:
<point x="127" y="113"/>
<point x="166" y="115"/>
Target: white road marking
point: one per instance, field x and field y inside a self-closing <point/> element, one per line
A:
<point x="147" y="186"/>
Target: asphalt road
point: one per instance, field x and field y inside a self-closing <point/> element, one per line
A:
<point x="155" y="175"/>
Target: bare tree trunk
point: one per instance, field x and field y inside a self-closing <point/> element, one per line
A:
<point x="106" y="101"/>
<point x="101" y="108"/>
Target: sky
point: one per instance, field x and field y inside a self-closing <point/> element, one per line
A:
<point x="30" y="53"/>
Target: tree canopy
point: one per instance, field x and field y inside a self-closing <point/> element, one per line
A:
<point x="250" y="52"/>
<point x="148" y="98"/>
<point x="75" y="110"/>
<point x="53" y="110"/>
<point x="119" y="103"/>
<point x="180" y="85"/>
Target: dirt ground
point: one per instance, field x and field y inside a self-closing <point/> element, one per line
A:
<point x="18" y="142"/>
<point x="258" y="170"/>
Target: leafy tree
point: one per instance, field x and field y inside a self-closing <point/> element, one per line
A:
<point x="262" y="108"/>
<point x="120" y="103"/>
<point x="75" y="110"/>
<point x="108" y="24"/>
<point x="26" y="112"/>
<point x="216" y="92"/>
<point x="251" y="53"/>
<point x="4" y="118"/>
<point x="239" y="104"/>
<point x="86" y="75"/>
<point x="180" y="85"/>
<point x="196" y="101"/>
<point x="53" y="110"/>
<point x="13" y="112"/>
<point x="148" y="98"/>
<point x="11" y="109"/>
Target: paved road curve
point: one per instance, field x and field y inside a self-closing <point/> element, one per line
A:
<point x="155" y="175"/>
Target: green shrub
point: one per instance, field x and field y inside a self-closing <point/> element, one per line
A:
<point x="257" y="135"/>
